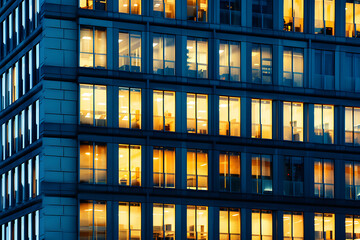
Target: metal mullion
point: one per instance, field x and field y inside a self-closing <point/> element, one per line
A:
<point x="261" y="69"/>
<point x="260" y="118"/>
<point x="163" y="225"/>
<point x="129" y="37"/>
<point x="163" y="111"/>
<point x="163" y="50"/>
<point x="229" y="12"/>
<point x="163" y="153"/>
<point x="196" y="59"/>
<point x="292" y="69"/>
<point x="228" y="159"/>
<point x="197" y="16"/>
<point x="93" y="160"/>
<point x="353" y="126"/>
<point x="93" y="220"/>
<point x="129" y="170"/>
<point x="129" y="214"/>
<point x="164" y="17"/>
<point x="196" y="170"/>
<point x="292" y="120"/>
<point x="324" y="22"/>
<point x="229" y="58"/>
<point x="196" y="114"/>
<point x="129" y="112"/>
<point x="228" y="99"/>
<point x="93" y="107"/>
<point x="93" y="47"/>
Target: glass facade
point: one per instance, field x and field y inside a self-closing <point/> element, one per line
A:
<point x="130" y="165"/>
<point x="129" y="51"/>
<point x="324" y="226"/>
<point x="261" y="118"/>
<point x="197" y="113"/>
<point x="261" y="60"/>
<point x="294" y="15"/>
<point x="325" y="17"/>
<point x="164" y="8"/>
<point x="352" y="180"/>
<point x="197" y="57"/>
<point x="197" y="222"/>
<point x="229" y="61"/>
<point x="324" y="178"/>
<point x="229" y="224"/>
<point x="229" y="170"/>
<point x="261" y="224"/>
<point x="93" y="47"/>
<point x="261" y="174"/>
<point x="164" y="167"/>
<point x="164" y="54"/>
<point x="293" y="70"/>
<point x="293" y="225"/>
<point x="293" y="176"/>
<point x="293" y="121"/>
<point x="324" y="123"/>
<point x="163" y="221"/>
<point x="197" y="10"/>
<point x="129" y="108"/>
<point x="197" y="169"/>
<point x="229" y="116"/>
<point x="164" y="111"/>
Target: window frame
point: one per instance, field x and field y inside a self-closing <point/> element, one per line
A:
<point x="94" y="226"/>
<point x="199" y="74"/>
<point x="317" y="214"/>
<point x="261" y="212"/>
<point x="293" y="182"/>
<point x="258" y="181"/>
<point x="323" y="130"/>
<point x="130" y="206"/>
<point x="129" y="122"/>
<point x="292" y="213"/>
<point x="165" y="62"/>
<point x="129" y="5"/>
<point x="229" y="76"/>
<point x="129" y="171"/>
<point x="229" y="123"/>
<point x="230" y="12"/>
<point x="290" y="27"/>
<point x="301" y="137"/>
<point x="355" y="26"/>
<point x="261" y="118"/>
<point x="292" y="80"/>
<point x="196" y="175"/>
<point x="197" y="130"/>
<point x="323" y="30"/>
<point x="163" y="173"/>
<point x="130" y="36"/>
<point x="319" y="187"/>
<point x="197" y="10"/>
<point x="354" y="190"/>
<point x="163" y="206"/>
<point x="163" y="13"/>
<point x="228" y="178"/>
<point x="229" y="234"/>
<point x="353" y="127"/>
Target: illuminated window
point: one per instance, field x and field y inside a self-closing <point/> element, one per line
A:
<point x="164" y="167"/>
<point x="261" y="60"/>
<point x="89" y="4"/>
<point x="324" y="70"/>
<point x="324" y="178"/>
<point x="197" y="222"/>
<point x="352" y="125"/>
<point x="130" y="6"/>
<point x="229" y="116"/>
<point x="197" y="10"/>
<point x="197" y="113"/>
<point x="92" y="219"/>
<point x="164" y="111"/>
<point x="293" y="176"/>
<point x="294" y="15"/>
<point x="352" y="227"/>
<point x="293" y="117"/>
<point x="129" y="165"/>
<point x="293" y="225"/>
<point x="324" y="226"/>
<point x="352" y="180"/>
<point x="92" y="47"/>
<point x="130" y="52"/>
<point x="262" y="13"/>
<point x="324" y="123"/>
<point x="261" y="118"/>
<point x="261" y="174"/>
<point x="352" y="9"/>
<point x="261" y="224"/>
<point x="229" y="170"/>
<point x="229" y="61"/>
<point x="197" y="57"/>
<point x="93" y="162"/>
<point x="229" y="224"/>
<point x="129" y="220"/>
<point x="325" y="17"/>
<point x="163" y="221"/>
<point x="93" y="105"/>
<point x="293" y="67"/>
<point x="130" y="108"/>
<point x="197" y="169"/>
<point x="164" y="8"/>
<point x="164" y="54"/>
<point x="230" y="12"/>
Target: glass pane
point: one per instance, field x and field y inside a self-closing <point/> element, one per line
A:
<point x="135" y="165"/>
<point x="158" y="54"/>
<point x="223" y="115"/>
<point x="287" y="121"/>
<point x="100" y="106"/>
<point x="255" y="118"/>
<point x="124" y="164"/>
<point x="169" y="111"/>
<point x="86" y="163"/>
<point x="100" y="163"/>
<point x="190" y="111"/>
<point x="158" y="224"/>
<point x="135" y="108"/>
<point x="86" y="104"/>
<point x="266" y="119"/>
<point x="124" y="6"/>
<point x="158" y="110"/>
<point x="86" y="219"/>
<point x="223" y="221"/>
<point x="234" y="113"/>
<point x="124" y="107"/>
<point x="202" y="113"/>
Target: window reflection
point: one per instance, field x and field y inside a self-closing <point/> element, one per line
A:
<point x="197" y="169"/>
<point x="164" y="54"/>
<point x="324" y="225"/>
<point x="293" y="176"/>
<point x="261" y="174"/>
<point x="293" y="67"/>
<point x="93" y="105"/>
<point x="92" y="220"/>
<point x="164" y="110"/>
<point x="93" y="162"/>
<point x="324" y="123"/>
<point x="197" y="113"/>
<point x="164" y="8"/>
<point x="163" y="221"/>
<point x="229" y="116"/>
<point x="197" y="57"/>
<point x="229" y="170"/>
<point x="352" y="125"/>
<point x="261" y="224"/>
<point x="130" y="165"/>
<point x="352" y="227"/>
<point x="293" y="225"/>
<point x="261" y="60"/>
<point x="352" y="180"/>
<point x="352" y="9"/>
<point x="197" y="222"/>
<point x="262" y="13"/>
<point x="293" y="120"/>
<point x="230" y="12"/>
<point x="294" y="15"/>
<point x="261" y="118"/>
<point x="325" y="17"/>
<point x="324" y="69"/>
<point x="197" y="10"/>
<point x="130" y="6"/>
<point x="164" y="167"/>
<point x="129" y="220"/>
<point x="130" y="52"/>
<point x="92" y="47"/>
<point x="229" y="61"/>
<point x="324" y="178"/>
<point x="229" y="224"/>
<point x="130" y="108"/>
